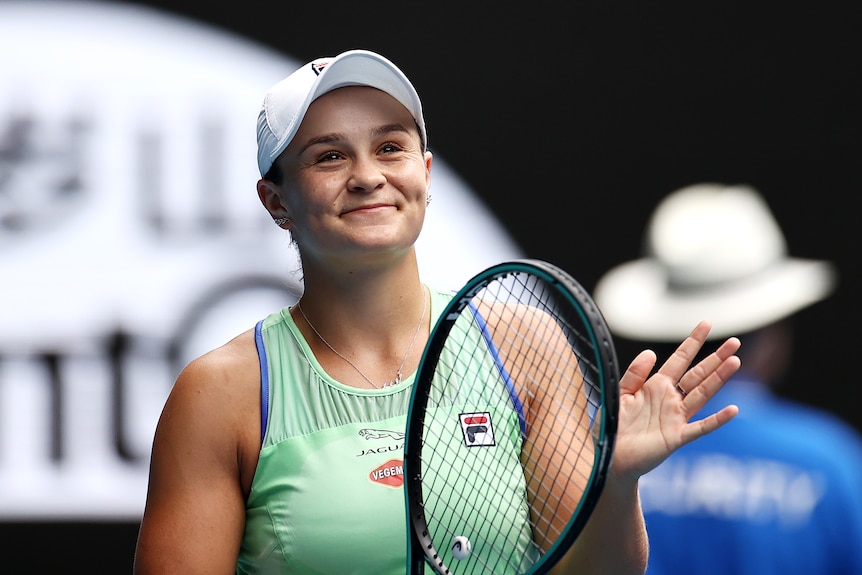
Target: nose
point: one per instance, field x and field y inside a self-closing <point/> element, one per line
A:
<point x="365" y="175"/>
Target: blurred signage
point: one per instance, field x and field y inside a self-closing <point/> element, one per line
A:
<point x="132" y="239"/>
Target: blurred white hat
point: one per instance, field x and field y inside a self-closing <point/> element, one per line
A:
<point x="712" y="252"/>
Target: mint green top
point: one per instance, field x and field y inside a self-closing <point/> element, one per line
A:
<point x="327" y="497"/>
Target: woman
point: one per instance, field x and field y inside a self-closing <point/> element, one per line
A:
<point x="266" y="455"/>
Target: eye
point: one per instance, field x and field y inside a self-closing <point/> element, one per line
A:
<point x="390" y="148"/>
<point x="329" y="156"/>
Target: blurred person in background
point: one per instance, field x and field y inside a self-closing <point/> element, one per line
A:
<point x="779" y="489"/>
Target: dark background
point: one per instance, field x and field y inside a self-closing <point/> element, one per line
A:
<point x="572" y="120"/>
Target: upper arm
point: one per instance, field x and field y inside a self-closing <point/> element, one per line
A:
<point x="204" y="451"/>
<point x="558" y="451"/>
<point x="559" y="456"/>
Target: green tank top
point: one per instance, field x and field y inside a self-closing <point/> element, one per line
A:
<point x="327" y="496"/>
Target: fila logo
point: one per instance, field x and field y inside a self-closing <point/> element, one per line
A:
<point x="477" y="428"/>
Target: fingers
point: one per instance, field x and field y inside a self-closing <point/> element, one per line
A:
<point x="710" y="374"/>
<point x="697" y="429"/>
<point x="638" y="371"/>
<point x="708" y="382"/>
<point x="677" y="363"/>
<point x="699" y="383"/>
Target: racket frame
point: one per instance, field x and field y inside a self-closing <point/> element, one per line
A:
<point x="421" y="549"/>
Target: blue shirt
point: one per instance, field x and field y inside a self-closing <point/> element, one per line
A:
<point x="776" y="490"/>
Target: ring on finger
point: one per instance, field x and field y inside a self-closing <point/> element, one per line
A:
<point x="681" y="391"/>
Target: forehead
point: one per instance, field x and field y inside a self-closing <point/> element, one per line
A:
<point x="354" y="105"/>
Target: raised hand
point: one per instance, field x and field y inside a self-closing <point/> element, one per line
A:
<point x="656" y="410"/>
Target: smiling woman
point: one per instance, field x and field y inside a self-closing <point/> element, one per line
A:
<point x="274" y="451"/>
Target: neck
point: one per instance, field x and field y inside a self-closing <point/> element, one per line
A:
<point x="379" y="299"/>
<point x="358" y="347"/>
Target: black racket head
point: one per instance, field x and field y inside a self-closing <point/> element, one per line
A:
<point x="512" y="423"/>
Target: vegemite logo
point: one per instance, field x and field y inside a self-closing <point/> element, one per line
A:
<point x="477" y="429"/>
<point x="390" y="473"/>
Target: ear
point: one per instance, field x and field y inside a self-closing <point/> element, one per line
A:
<point x="429" y="157"/>
<point x="270" y="197"/>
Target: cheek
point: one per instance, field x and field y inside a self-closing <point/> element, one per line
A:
<point x="412" y="180"/>
<point x="316" y="194"/>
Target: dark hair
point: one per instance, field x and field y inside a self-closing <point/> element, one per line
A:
<point x="421" y="136"/>
<point x="274" y="174"/>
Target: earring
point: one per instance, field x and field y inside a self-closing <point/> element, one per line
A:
<point x="427" y="199"/>
<point x="281" y="221"/>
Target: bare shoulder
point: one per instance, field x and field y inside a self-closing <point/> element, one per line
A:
<point x="514" y="317"/>
<point x="218" y="391"/>
<point x="226" y="373"/>
<point x="204" y="454"/>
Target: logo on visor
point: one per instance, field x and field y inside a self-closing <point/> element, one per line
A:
<point x="318" y="67"/>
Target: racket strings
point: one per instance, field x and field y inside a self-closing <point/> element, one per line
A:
<point x="519" y="374"/>
<point x="546" y="477"/>
<point x="481" y="484"/>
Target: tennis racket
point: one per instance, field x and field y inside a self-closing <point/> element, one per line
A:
<point x="512" y="421"/>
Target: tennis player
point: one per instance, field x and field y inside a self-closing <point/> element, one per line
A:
<point x="281" y="451"/>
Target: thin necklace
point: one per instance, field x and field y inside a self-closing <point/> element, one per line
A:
<point x="399" y="376"/>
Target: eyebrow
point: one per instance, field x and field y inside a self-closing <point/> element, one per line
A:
<point x="322" y="139"/>
<point x="389" y="128"/>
